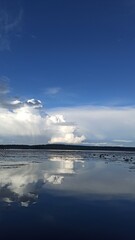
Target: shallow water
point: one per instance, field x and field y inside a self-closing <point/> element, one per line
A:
<point x="67" y="194"/>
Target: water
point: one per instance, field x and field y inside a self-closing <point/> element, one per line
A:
<point x="67" y="195"/>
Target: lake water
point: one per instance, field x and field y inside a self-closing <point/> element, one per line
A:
<point x="67" y="195"/>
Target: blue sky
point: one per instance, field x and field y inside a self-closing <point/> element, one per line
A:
<point x="69" y="54"/>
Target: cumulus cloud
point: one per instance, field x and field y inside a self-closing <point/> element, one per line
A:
<point x="34" y="103"/>
<point x="64" y="132"/>
<point x="103" y="124"/>
<point x="9" y="102"/>
<point x="27" y="122"/>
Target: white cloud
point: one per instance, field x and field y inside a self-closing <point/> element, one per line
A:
<point x="102" y="124"/>
<point x="34" y="103"/>
<point x="64" y="132"/>
<point x="53" y="90"/>
<point x="30" y="124"/>
<point x="27" y="122"/>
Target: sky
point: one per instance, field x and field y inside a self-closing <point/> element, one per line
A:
<point x="67" y="72"/>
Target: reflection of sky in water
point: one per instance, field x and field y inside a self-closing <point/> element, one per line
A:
<point x="24" y="174"/>
<point x="67" y="195"/>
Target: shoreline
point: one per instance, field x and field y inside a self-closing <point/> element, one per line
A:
<point x="66" y="147"/>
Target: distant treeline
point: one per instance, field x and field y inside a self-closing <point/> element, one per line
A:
<point x="67" y="147"/>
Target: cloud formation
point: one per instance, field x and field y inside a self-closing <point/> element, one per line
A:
<point x="122" y="141"/>
<point x="53" y="90"/>
<point x="27" y="122"/>
<point x="34" y="103"/>
<point x="9" y="26"/>
<point x="108" y="125"/>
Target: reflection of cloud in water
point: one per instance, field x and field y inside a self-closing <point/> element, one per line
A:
<point x="66" y="164"/>
<point x="70" y="158"/>
<point x="7" y="200"/>
<point x="55" y="179"/>
<point x="65" y="167"/>
<point x="23" y="184"/>
<point x="21" y="181"/>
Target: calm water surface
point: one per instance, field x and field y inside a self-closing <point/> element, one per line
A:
<point x="67" y="195"/>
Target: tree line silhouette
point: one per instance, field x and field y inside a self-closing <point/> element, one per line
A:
<point x="66" y="147"/>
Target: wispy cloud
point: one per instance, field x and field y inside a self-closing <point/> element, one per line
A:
<point x="9" y="27"/>
<point x="4" y="87"/>
<point x="122" y="141"/>
<point x="52" y="90"/>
